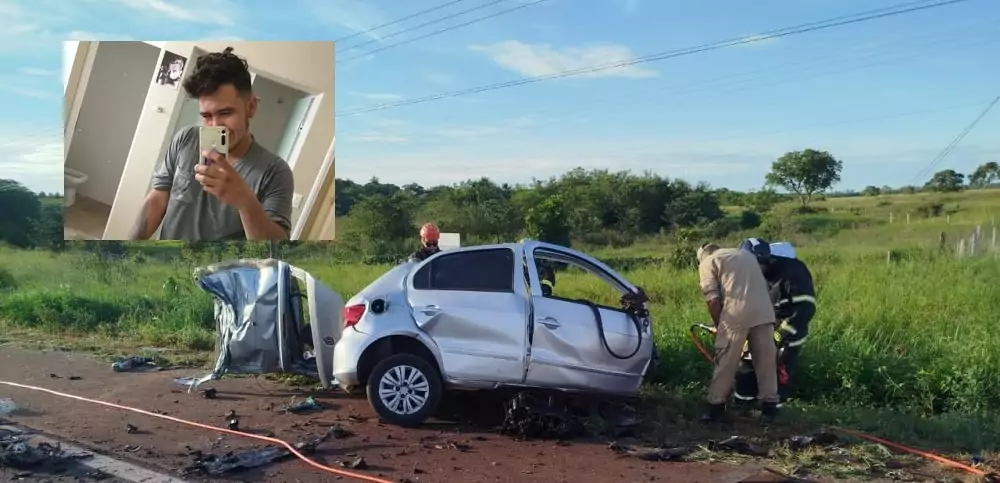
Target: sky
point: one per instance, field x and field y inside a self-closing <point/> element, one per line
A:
<point x="884" y="96"/>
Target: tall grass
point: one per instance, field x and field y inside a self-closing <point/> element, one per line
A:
<point x="918" y="333"/>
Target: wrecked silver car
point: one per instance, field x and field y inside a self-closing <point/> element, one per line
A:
<point x="271" y="317"/>
<point x="489" y="317"/>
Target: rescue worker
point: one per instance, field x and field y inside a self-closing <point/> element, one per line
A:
<point x="429" y="236"/>
<point x="740" y="306"/>
<point x="794" y="297"/>
<point x="547" y="278"/>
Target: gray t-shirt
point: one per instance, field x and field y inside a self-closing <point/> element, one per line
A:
<point x="196" y="215"/>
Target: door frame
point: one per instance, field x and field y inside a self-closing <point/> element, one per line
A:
<point x="312" y="201"/>
<point x="83" y="64"/>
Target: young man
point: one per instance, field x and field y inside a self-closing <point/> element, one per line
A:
<point x="429" y="236"/>
<point x="204" y="196"/>
<point x="740" y="306"/>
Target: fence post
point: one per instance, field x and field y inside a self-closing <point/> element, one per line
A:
<point x="942" y="241"/>
<point x="961" y="248"/>
<point x="948" y="219"/>
<point x="993" y="243"/>
<point x="890" y="217"/>
<point x="907" y="218"/>
<point x="973" y="243"/>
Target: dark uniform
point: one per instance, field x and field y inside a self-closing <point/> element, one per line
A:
<point x="424" y="253"/>
<point x="796" y="306"/>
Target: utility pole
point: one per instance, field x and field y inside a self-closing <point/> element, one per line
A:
<point x="273" y="251"/>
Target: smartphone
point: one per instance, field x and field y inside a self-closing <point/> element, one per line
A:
<point x="212" y="138"/>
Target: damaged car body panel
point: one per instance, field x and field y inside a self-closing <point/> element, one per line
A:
<point x="261" y="323"/>
<point x="478" y="318"/>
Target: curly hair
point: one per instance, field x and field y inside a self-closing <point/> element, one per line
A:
<point x="214" y="70"/>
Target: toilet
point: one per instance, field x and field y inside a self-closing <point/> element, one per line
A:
<point x="73" y="180"/>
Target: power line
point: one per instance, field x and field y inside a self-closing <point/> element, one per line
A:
<point x="740" y="82"/>
<point x="446" y="29"/>
<point x="425" y="24"/>
<point x="954" y="142"/>
<point x="900" y="9"/>
<point x="394" y="22"/>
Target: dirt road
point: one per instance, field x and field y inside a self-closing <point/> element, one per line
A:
<point x="438" y="452"/>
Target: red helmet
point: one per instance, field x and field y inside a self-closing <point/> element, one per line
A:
<point x="430" y="232"/>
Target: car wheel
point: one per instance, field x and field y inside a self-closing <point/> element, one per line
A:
<point x="404" y="389"/>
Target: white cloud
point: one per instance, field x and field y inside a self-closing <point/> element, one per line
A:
<point x="375" y="137"/>
<point x="34" y="71"/>
<point x="356" y="16"/>
<point x="377" y="96"/>
<point x="30" y="92"/>
<point x="85" y="35"/>
<point x="34" y="159"/>
<point x="203" y="14"/>
<point x="533" y="60"/>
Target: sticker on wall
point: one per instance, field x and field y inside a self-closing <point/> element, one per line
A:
<point x="171" y="69"/>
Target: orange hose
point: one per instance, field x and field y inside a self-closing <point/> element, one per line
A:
<point x="868" y="437"/>
<point x="289" y="447"/>
<point x="913" y="451"/>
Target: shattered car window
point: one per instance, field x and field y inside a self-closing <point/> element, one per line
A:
<point x="473" y="271"/>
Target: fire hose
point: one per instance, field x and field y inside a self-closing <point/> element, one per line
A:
<point x="986" y="477"/>
<point x="286" y="445"/>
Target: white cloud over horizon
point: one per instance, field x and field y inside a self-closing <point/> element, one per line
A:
<point x="535" y="60"/>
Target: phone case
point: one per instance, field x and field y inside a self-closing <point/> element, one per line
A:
<point x="213" y="138"/>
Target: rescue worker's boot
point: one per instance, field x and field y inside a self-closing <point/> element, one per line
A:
<point x="715" y="413"/>
<point x="768" y="413"/>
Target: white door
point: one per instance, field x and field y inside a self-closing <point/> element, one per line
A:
<point x="293" y="131"/>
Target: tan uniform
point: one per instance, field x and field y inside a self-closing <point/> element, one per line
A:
<point x="734" y="277"/>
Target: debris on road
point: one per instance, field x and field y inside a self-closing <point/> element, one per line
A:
<point x="7" y="406"/>
<point x="233" y="423"/>
<point x="131" y="429"/>
<point x="796" y="443"/>
<point x="739" y="445"/>
<point x="675" y="453"/>
<point x="358" y="463"/>
<point x="214" y="465"/>
<point x="16" y="451"/>
<point x="209" y="393"/>
<point x="307" y="404"/>
<point x="130" y="363"/>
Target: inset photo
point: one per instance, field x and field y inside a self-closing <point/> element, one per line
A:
<point x="199" y="141"/>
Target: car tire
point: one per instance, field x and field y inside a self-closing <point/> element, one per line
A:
<point x="392" y="397"/>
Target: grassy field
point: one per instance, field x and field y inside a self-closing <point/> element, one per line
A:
<point x="916" y="331"/>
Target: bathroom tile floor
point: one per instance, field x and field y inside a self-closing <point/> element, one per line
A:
<point x="86" y="219"/>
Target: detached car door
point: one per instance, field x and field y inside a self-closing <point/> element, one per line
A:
<point x="469" y="301"/>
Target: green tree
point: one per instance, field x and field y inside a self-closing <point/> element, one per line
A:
<point x="805" y="173"/>
<point x="379" y="225"/>
<point x="985" y="175"/>
<point x="871" y="191"/>
<point x="947" y="180"/>
<point x="19" y="210"/>
<point x="547" y="221"/>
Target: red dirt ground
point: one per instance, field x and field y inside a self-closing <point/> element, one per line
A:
<point x="418" y="455"/>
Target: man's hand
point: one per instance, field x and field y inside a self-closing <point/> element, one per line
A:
<point x="222" y="181"/>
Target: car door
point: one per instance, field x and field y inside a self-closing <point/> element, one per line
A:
<point x="474" y="308"/>
<point x="566" y="347"/>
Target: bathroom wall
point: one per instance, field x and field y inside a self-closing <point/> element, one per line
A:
<point x="307" y="66"/>
<point x="109" y="113"/>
